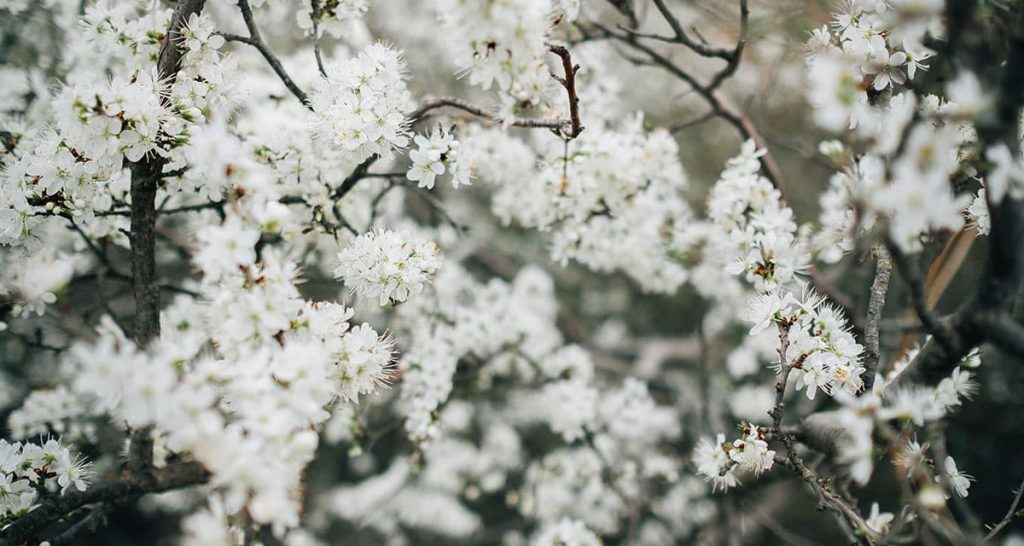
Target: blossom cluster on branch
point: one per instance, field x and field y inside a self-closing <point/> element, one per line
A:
<point x="262" y="279"/>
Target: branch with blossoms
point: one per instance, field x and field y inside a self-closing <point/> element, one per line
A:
<point x="504" y="349"/>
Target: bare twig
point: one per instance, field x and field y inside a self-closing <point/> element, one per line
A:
<point x="569" y="83"/>
<point x="314" y="14"/>
<point x="879" y="288"/>
<point x="1008" y="518"/>
<point x="720" y="105"/>
<point x="682" y="126"/>
<point x="682" y="38"/>
<point x="737" y="52"/>
<point x="256" y="41"/>
<point x="452" y="102"/>
<point x="779" y="409"/>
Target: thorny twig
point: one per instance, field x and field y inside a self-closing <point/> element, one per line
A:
<point x="1010" y="514"/>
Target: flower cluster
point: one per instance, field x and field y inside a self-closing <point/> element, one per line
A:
<point x="918" y="143"/>
<point x="27" y="469"/>
<point x="246" y="411"/>
<point x="75" y="166"/>
<point x="34" y="281"/>
<point x="719" y="461"/>
<point x="387" y="266"/>
<point x="434" y="155"/>
<point x="822" y="352"/>
<point x="754" y="234"/>
<point x="358" y="107"/>
<point x="917" y="405"/>
<point x="871" y="45"/>
<point x="58" y="411"/>
<point x="612" y="198"/>
<point x="501" y="43"/>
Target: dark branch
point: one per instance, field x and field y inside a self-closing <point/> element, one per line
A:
<point x="1010" y="514"/>
<point x="569" y="83"/>
<point x="716" y="100"/>
<point x="27" y="527"/>
<point x="146" y="173"/>
<point x="984" y="317"/>
<point x="452" y="102"/>
<point x="682" y="38"/>
<point x="255" y="40"/>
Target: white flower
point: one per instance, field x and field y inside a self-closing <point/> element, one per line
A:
<point x="977" y="213"/>
<point x="879" y="521"/>
<point x="358" y="107"/>
<point x="751" y="452"/>
<point x="890" y="71"/>
<point x="770" y="308"/>
<point x="960" y="481"/>
<point x="713" y="462"/>
<point x="224" y="248"/>
<point x="836" y="91"/>
<point x="435" y="155"/>
<point x="912" y="457"/>
<point x="1007" y="175"/>
<point x="365" y="360"/>
<point x="387" y="266"/>
<point x="500" y="42"/>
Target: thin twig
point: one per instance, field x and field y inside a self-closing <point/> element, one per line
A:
<point x="682" y="38"/>
<point x="256" y="41"/>
<point x="569" y="83"/>
<point x="682" y="126"/>
<point x="315" y="16"/>
<point x="720" y="105"/>
<point x="1008" y="517"/>
<point x="737" y="52"/>
<point x="452" y="102"/>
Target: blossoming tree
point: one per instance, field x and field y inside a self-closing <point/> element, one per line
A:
<point x="397" y="272"/>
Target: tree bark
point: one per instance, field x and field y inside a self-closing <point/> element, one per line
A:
<point x="146" y="175"/>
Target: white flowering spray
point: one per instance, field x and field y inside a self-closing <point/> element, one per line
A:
<point x="28" y="470"/>
<point x="387" y="266"/>
<point x="434" y="156"/>
<point x="359" y="105"/>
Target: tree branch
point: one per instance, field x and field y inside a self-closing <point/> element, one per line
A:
<point x="1004" y="268"/>
<point x="879" y="288"/>
<point x="1010" y="514"/>
<point x="682" y="38"/>
<point x="145" y="174"/>
<point x="452" y="102"/>
<point x="255" y="40"/>
<point x="719" y="104"/>
<point x="173" y="476"/>
<point x="569" y="83"/>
